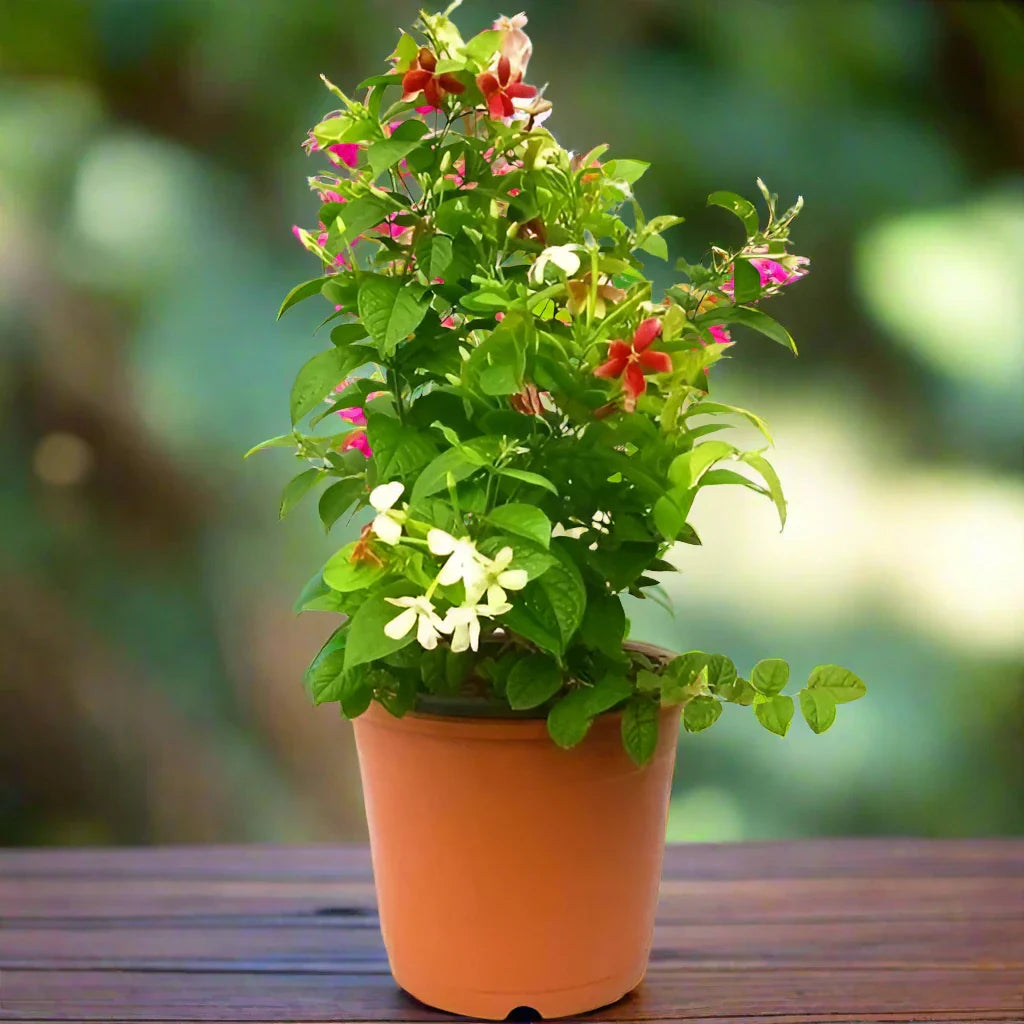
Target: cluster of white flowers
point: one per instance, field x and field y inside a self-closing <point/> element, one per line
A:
<point x="485" y="580"/>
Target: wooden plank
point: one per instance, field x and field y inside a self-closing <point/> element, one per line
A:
<point x="280" y="945"/>
<point x="823" y="932"/>
<point x="816" y="899"/>
<point x="817" y="858"/>
<point x="683" y="995"/>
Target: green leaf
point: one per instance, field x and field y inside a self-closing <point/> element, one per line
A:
<point x="840" y="683"/>
<point x="403" y="140"/>
<point x="398" y="451"/>
<point x="742" y="208"/>
<point x="390" y="311"/>
<point x="316" y="380"/>
<point x="533" y="680"/>
<point x="701" y="713"/>
<point x="746" y="282"/>
<point x="720" y="408"/>
<point x="686" y="470"/>
<point x="655" y="245"/>
<point x="528" y="554"/>
<point x="566" y="592"/>
<point x="460" y="463"/>
<point x="640" y="729"/>
<point x="300" y="292"/>
<point x="550" y="609"/>
<point x="629" y="171"/>
<point x="482" y="47"/>
<point x="522" y="520"/>
<point x="499" y="362"/>
<point x="339" y="498"/>
<point x="281" y="441"/>
<point x="570" y="719"/>
<point x="324" y="678"/>
<point x="395" y="691"/>
<point x="356" y="693"/>
<point x="604" y="623"/>
<point x="775" y="713"/>
<point x="346" y="334"/>
<point x="343" y="575"/>
<point x="721" y="673"/>
<point x="771" y="478"/>
<point x="685" y="668"/>
<point x="297" y="488"/>
<point x="747" y="317"/>
<point x="360" y="215"/>
<point x="434" y="255"/>
<point x="367" y="640"/>
<point x="526" y="477"/>
<point x="770" y="676"/>
<point x="818" y="708"/>
<point x="669" y="518"/>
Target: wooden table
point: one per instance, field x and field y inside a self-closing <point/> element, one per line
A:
<point x="823" y="931"/>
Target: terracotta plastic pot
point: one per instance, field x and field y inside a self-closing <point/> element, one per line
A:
<point x="511" y="873"/>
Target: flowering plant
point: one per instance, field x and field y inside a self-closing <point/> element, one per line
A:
<point x="528" y="423"/>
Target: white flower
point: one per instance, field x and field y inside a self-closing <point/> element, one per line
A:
<point x="562" y="256"/>
<point x="464" y="561"/>
<point x="419" y="612"/>
<point x="388" y="523"/>
<point x="464" y="623"/>
<point x="498" y="578"/>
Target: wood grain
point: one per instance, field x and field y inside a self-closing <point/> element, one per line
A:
<point x="821" y="932"/>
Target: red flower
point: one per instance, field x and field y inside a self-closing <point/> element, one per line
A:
<point x="500" y="87"/>
<point x="628" y="360"/>
<point x="422" y="78"/>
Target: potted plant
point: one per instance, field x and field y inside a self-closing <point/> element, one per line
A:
<point x="528" y="426"/>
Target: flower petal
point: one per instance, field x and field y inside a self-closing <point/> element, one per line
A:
<point x="426" y="634"/>
<point x="389" y="530"/>
<point x="496" y="105"/>
<point x="487" y="83"/>
<point x="646" y="333"/>
<point x="451" y="84"/>
<point x="440" y="543"/>
<point x="519" y="91"/>
<point x="384" y="496"/>
<point x="634" y="385"/>
<point x="400" y="625"/>
<point x="413" y="83"/>
<point x="660" y="362"/>
<point x="513" y="579"/>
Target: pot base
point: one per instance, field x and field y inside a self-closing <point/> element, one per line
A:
<point x="549" y="1004"/>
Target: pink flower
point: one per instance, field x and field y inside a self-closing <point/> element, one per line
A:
<point x="356" y="415"/>
<point x="358" y="440"/>
<point x="449" y="322"/>
<point x="327" y="196"/>
<point x="772" y="272"/>
<point x="720" y="334"/>
<point x="346" y="153"/>
<point x="515" y="43"/>
<point x="389" y="227"/>
<point x="628" y="360"/>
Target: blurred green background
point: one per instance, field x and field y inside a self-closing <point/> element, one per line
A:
<point x="150" y="171"/>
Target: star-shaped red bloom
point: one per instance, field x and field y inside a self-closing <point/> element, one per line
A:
<point x="629" y="359"/>
<point x="422" y="77"/>
<point x="500" y="87"/>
